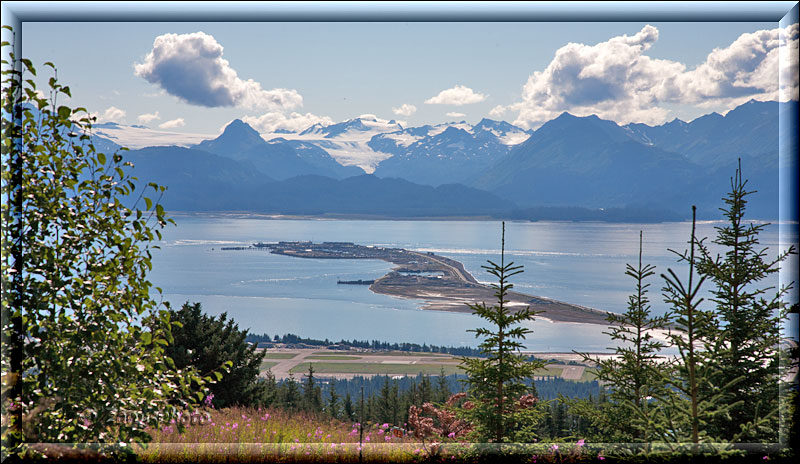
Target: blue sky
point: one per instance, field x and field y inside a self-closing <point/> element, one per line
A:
<point x="290" y="75"/>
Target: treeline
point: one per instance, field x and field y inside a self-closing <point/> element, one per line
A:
<point x="264" y="339"/>
<point x="388" y="400"/>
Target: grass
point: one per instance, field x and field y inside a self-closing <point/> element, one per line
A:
<point x="267" y="365"/>
<point x="269" y="355"/>
<point x="275" y="435"/>
<point x="248" y="434"/>
<point x="589" y="374"/>
<point x="333" y="357"/>
<point x="376" y="368"/>
<point x="398" y="353"/>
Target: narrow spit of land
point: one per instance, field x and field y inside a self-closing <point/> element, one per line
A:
<point x="441" y="282"/>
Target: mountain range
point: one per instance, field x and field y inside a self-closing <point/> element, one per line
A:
<point x="491" y="168"/>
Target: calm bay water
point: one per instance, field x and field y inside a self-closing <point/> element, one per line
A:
<point x="581" y="263"/>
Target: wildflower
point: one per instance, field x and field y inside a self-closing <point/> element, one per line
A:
<point x="209" y="399"/>
<point x="581" y="442"/>
<point x="554" y="447"/>
<point x="297" y="440"/>
<point x="385" y="426"/>
<point x="451" y="435"/>
<point x="601" y="457"/>
<point x="416" y="451"/>
<point x="388" y="438"/>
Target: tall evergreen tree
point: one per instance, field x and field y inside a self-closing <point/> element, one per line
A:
<point x="497" y="382"/>
<point x="632" y="375"/>
<point x="349" y="412"/>
<point x="312" y="395"/>
<point x="443" y="388"/>
<point x="750" y="319"/>
<point x="290" y="393"/>
<point x="207" y="343"/>
<point x="333" y="400"/>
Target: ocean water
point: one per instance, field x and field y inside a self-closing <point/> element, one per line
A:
<point x="581" y="263"/>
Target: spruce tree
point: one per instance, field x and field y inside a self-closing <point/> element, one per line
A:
<point x="333" y="400"/>
<point x="312" y="396"/>
<point x="750" y="319"/>
<point x="497" y="382"/>
<point x="207" y="343"/>
<point x="348" y="407"/>
<point x="632" y="374"/>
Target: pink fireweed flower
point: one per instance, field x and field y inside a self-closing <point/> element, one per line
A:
<point x="388" y="438"/>
<point x="385" y="426"/>
<point x="554" y="447"/>
<point x="380" y="431"/>
<point x="581" y="442"/>
<point x="451" y="435"/>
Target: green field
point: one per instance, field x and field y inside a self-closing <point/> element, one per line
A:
<point x="267" y="365"/>
<point x="589" y="374"/>
<point x="377" y="368"/>
<point x="269" y="355"/>
<point x="399" y="353"/>
<point x="334" y="357"/>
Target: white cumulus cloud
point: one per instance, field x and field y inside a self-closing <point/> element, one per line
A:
<point x="405" y="110"/>
<point x="272" y="121"/>
<point x="617" y="80"/>
<point x="458" y="95"/>
<point x="191" y="67"/>
<point x="498" y="111"/>
<point x="453" y="114"/>
<point x="172" y="124"/>
<point x="147" y="118"/>
<point x="111" y="114"/>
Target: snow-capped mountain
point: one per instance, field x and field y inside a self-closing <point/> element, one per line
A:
<point x="137" y="136"/>
<point x="346" y="141"/>
<point x="445" y="153"/>
<point x="279" y="158"/>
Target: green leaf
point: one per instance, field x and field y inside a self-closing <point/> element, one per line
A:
<point x="148" y="203"/>
<point x="101" y="158"/>
<point x="64" y="112"/>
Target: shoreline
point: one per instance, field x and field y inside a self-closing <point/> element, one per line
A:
<point x="379" y="217"/>
<point x="441" y="283"/>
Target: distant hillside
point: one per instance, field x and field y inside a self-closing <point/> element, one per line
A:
<point x="280" y="160"/>
<point x="573" y="168"/>
<point x="589" y="162"/>
<point x="201" y="181"/>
